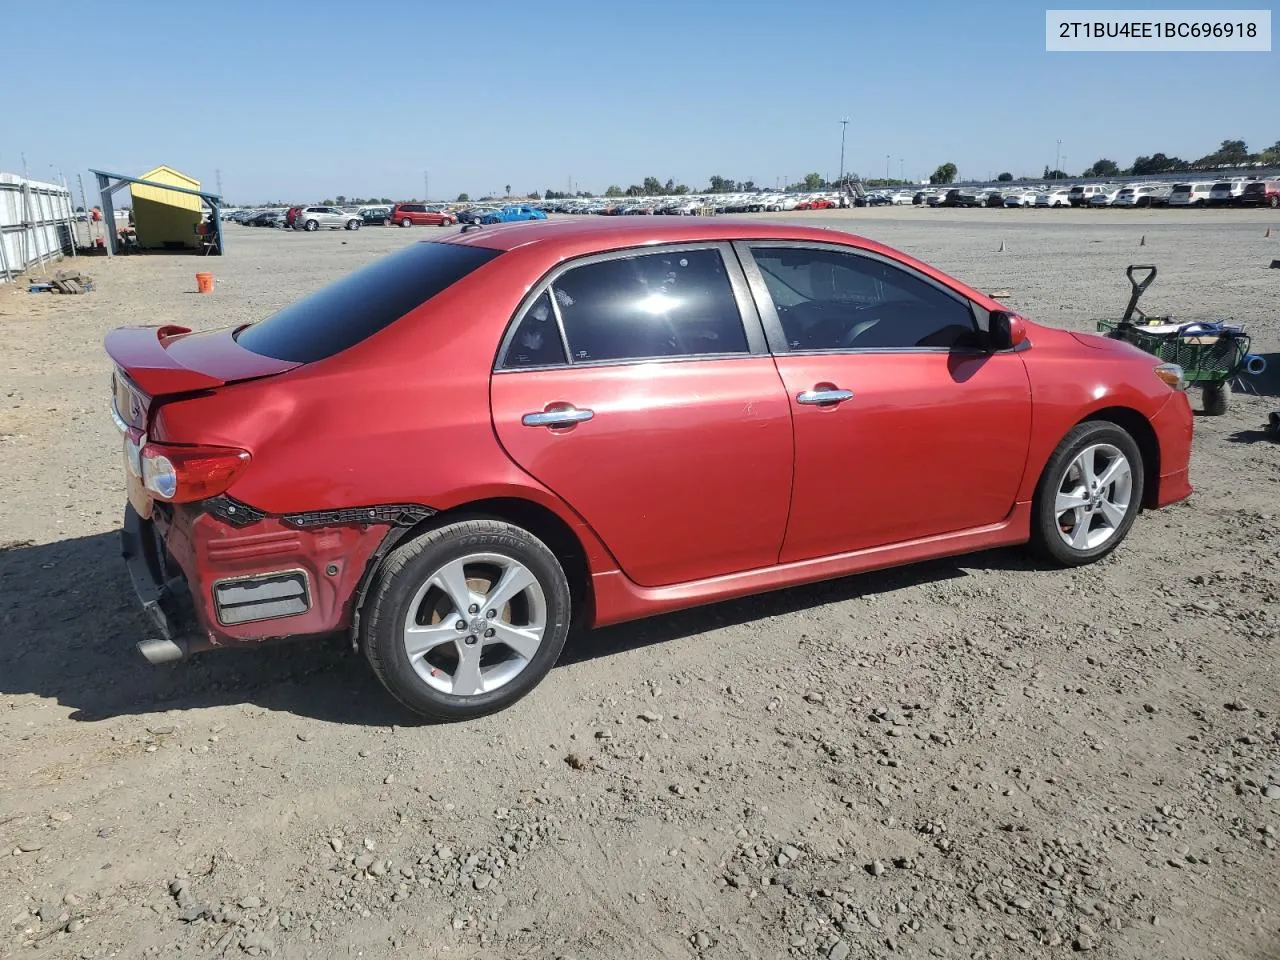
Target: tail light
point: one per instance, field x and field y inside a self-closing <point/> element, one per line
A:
<point x="186" y="474"/>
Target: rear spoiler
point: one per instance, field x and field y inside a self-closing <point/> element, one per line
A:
<point x="141" y="352"/>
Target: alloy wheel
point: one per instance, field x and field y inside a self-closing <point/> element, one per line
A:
<point x="475" y="624"/>
<point x="1093" y="497"/>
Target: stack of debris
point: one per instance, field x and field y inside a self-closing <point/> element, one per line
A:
<point x="64" y="281"/>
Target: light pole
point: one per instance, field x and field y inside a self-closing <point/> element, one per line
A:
<point x="1057" y="159"/>
<point x="844" y="125"/>
<point x="902" y="170"/>
<point x="886" y="166"/>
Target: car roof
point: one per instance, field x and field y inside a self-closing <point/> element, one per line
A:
<point x="577" y="236"/>
<point x="564" y="239"/>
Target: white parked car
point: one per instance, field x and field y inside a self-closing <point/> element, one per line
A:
<point x="1082" y="193"/>
<point x="1104" y="197"/>
<point x="1019" y="198"/>
<point x="1226" y="192"/>
<point x="1190" y="194"/>
<point x="1058" y="197"/>
<point x="1141" y="195"/>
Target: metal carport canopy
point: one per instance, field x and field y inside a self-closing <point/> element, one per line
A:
<point x="107" y="189"/>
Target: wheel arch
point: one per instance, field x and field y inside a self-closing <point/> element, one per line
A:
<point x="1144" y="435"/>
<point x="541" y="521"/>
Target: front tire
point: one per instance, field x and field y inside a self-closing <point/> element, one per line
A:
<point x="1088" y="496"/>
<point x="466" y="619"/>
<point x="353" y="224"/>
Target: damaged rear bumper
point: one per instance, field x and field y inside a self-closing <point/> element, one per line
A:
<point x="206" y="578"/>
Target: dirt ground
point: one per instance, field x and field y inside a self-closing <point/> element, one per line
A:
<point x="969" y="758"/>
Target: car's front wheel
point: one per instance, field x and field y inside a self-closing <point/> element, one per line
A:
<point x="353" y="224"/>
<point x="1088" y="496"/>
<point x="466" y="619"/>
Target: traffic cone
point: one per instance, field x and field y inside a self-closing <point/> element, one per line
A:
<point x="1001" y="250"/>
<point x="1143" y="241"/>
<point x="1267" y="235"/>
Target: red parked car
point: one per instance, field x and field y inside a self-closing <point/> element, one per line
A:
<point x="1261" y="192"/>
<point x="458" y="451"/>
<point x="419" y="215"/>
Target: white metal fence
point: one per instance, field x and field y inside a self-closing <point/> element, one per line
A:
<point x="36" y="224"/>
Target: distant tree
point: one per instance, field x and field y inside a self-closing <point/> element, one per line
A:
<point x="327" y="203"/>
<point x="1102" y="168"/>
<point x="669" y="186"/>
<point x="652" y="187"/>
<point x="946" y="173"/>
<point x="1053" y="174"/>
<point x="463" y="198"/>
<point x="1271" y="155"/>
<point x="341" y="199"/>
<point x="679" y="189"/>
<point x="613" y="191"/>
<point x="1005" y="177"/>
<point x="508" y="189"/>
<point x="1231" y="153"/>
<point x="813" y="181"/>
<point x="635" y="190"/>
<point x="719" y="184"/>
<point x="1157" y="163"/>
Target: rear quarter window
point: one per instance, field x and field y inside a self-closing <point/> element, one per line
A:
<point x="362" y="303"/>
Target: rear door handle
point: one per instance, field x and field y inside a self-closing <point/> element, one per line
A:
<point x="557" y="417"/>
<point x="827" y="396"/>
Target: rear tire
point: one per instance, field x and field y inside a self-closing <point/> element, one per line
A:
<point x="311" y="226"/>
<point x="406" y="222"/>
<point x="409" y="605"/>
<point x="1214" y="398"/>
<point x="1088" y="496"/>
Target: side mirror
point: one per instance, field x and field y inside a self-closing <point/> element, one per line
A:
<point x="1005" y="330"/>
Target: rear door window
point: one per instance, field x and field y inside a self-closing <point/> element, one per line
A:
<point x="666" y="304"/>
<point x="362" y="303"/>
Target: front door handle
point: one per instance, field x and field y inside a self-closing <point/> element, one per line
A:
<point x="824" y="396"/>
<point x="565" y="416"/>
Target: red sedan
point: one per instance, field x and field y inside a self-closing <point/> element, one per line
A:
<point x="457" y="452"/>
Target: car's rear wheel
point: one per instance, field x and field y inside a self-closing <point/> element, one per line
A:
<point x="353" y="224"/>
<point x="1088" y="496"/>
<point x="466" y="619"/>
<point x="1275" y="202"/>
<point x="406" y="222"/>
<point x="311" y="226"/>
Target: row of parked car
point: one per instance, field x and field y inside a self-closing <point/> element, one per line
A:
<point x="1238" y="191"/>
<point x="327" y="217"/>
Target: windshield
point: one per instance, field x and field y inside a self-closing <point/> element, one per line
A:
<point x="362" y="303"/>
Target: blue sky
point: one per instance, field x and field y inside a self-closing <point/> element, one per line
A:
<point x="307" y="100"/>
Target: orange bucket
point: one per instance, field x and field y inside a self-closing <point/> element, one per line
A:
<point x="204" y="282"/>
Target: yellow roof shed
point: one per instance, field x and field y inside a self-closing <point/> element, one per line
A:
<point x="166" y="219"/>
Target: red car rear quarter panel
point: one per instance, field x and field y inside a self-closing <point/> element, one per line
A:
<point x="402" y="417"/>
<point x="1071" y="381"/>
